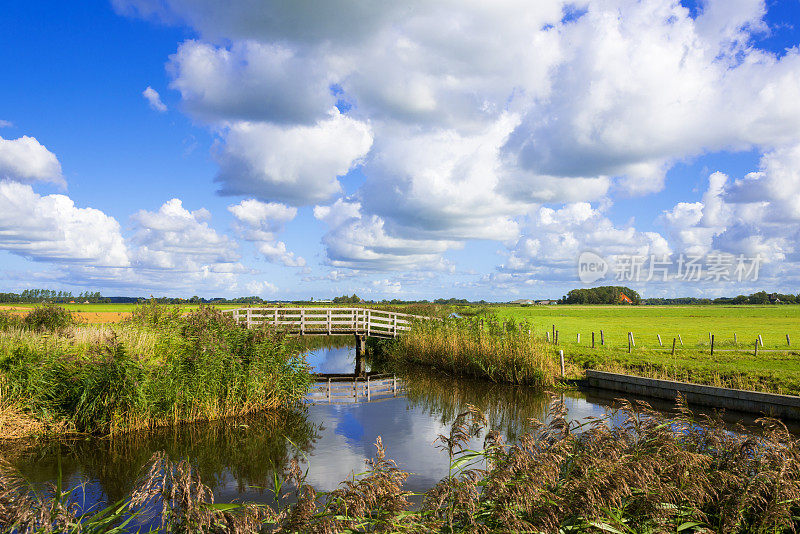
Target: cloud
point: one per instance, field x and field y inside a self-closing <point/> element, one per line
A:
<point x="6" y="124"/>
<point x="298" y="165"/>
<point x="261" y="287"/>
<point x="554" y="239"/>
<point x="52" y="228"/>
<point x="355" y="241"/>
<point x="251" y="81"/>
<point x="260" y="222"/>
<point x="756" y="214"/>
<point x="26" y="160"/>
<point x="176" y="239"/>
<point x="154" y="99"/>
<point x="464" y="117"/>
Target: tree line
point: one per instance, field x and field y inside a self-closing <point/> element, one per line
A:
<point x="602" y="295"/>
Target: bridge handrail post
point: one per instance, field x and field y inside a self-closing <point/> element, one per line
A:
<point x="302" y="321"/>
<point x="276" y="319"/>
<point x="369" y="322"/>
<point x="249" y="312"/>
<point x="328" y="319"/>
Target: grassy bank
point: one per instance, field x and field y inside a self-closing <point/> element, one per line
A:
<point x="470" y="348"/>
<point x="160" y="367"/>
<point x="633" y="471"/>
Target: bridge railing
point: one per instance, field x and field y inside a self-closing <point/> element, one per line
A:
<point x="330" y="321"/>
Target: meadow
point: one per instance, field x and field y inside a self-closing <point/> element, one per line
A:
<point x="692" y="323"/>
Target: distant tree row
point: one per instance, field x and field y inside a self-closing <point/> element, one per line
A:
<point x="602" y="295"/>
<point x="761" y="297"/>
<point x="49" y="295"/>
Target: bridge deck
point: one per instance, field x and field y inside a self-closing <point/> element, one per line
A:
<point x="327" y="321"/>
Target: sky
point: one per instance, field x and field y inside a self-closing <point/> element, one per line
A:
<point x="400" y="149"/>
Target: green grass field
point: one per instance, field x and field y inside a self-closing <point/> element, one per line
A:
<point x="692" y="323"/>
<point x="775" y="369"/>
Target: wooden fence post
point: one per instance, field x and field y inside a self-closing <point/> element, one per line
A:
<point x="760" y="341"/>
<point x="673" y="346"/>
<point x="592" y="339"/>
<point x="680" y="339"/>
<point x="712" y="345"/>
<point x="659" y="340"/>
<point x="629" y="342"/>
<point x="734" y="338"/>
<point x="547" y="335"/>
<point x="579" y="337"/>
<point x="561" y="357"/>
<point x="633" y="340"/>
<point x="788" y="343"/>
<point x="602" y="339"/>
<point x="755" y="351"/>
<point x="556" y="338"/>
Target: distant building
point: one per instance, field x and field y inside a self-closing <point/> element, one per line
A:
<point x="522" y="302"/>
<point x="323" y="301"/>
<point x="546" y="302"/>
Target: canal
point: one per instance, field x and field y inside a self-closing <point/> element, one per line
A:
<point x="238" y="458"/>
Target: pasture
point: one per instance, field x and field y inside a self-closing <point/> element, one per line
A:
<point x="692" y="323"/>
<point x="776" y="367"/>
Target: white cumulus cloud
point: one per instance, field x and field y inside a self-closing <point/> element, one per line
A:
<point x="154" y="99"/>
<point x="26" y="160"/>
<point x="52" y="228"/>
<point x="298" y="165"/>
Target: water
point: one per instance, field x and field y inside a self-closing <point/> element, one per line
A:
<point x="237" y="458"/>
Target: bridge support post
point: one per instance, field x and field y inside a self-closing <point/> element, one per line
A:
<point x="361" y="349"/>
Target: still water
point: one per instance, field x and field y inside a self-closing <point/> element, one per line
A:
<point x="237" y="458"/>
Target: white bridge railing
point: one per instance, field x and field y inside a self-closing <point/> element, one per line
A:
<point x="327" y="321"/>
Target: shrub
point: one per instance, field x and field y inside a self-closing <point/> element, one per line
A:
<point x="49" y="317"/>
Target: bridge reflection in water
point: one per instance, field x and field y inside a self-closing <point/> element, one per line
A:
<point x="345" y="388"/>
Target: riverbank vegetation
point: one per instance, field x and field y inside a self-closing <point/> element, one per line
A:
<point x="159" y="367"/>
<point x="631" y="471"/>
<point x="501" y="352"/>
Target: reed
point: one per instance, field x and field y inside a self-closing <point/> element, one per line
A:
<point x="467" y="347"/>
<point x="156" y="369"/>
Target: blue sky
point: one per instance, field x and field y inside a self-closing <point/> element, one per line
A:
<point x="409" y="150"/>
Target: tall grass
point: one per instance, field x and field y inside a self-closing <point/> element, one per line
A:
<point x="158" y="368"/>
<point x="498" y="352"/>
<point x="631" y="471"/>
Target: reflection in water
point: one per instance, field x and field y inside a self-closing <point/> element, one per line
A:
<point x="340" y="360"/>
<point x="232" y="456"/>
<point x="237" y="458"/>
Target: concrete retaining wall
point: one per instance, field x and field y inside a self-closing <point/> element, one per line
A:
<point x="784" y="406"/>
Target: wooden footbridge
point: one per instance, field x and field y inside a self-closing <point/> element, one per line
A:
<point x="327" y="321"/>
